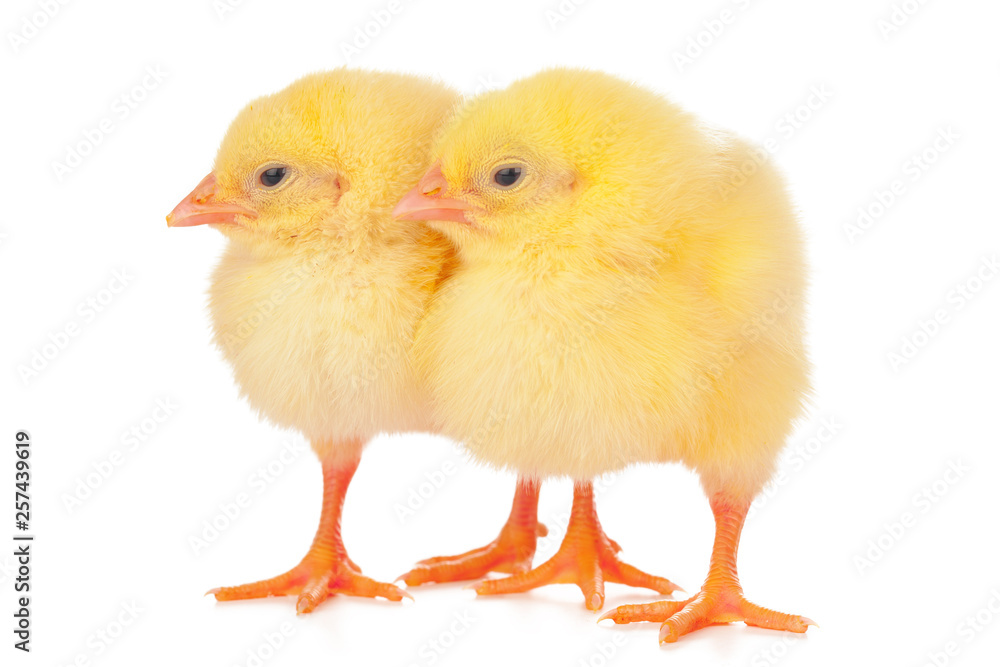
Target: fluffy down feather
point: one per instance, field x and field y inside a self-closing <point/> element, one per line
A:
<point x="315" y="303"/>
<point x="635" y="297"/>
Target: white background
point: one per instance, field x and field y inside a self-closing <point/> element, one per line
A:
<point x="885" y="95"/>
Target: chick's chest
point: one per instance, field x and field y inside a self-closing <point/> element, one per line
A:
<point x="537" y="324"/>
<point x="303" y="313"/>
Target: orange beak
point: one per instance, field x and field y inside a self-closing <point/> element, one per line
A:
<point x="427" y="200"/>
<point x="201" y="208"/>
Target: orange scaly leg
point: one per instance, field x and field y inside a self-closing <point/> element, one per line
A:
<point x="326" y="569"/>
<point x="721" y="598"/>
<point x="586" y="558"/>
<point x="511" y="551"/>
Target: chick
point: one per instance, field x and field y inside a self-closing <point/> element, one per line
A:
<point x="316" y="299"/>
<point x="629" y="290"/>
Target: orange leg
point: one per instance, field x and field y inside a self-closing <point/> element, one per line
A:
<point x="721" y="598"/>
<point x="511" y="551"/>
<point x="326" y="569"/>
<point x="586" y="558"/>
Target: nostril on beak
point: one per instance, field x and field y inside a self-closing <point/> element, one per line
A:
<point x="205" y="192"/>
<point x="433" y="184"/>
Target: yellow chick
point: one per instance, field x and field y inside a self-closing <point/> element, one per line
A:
<point x="316" y="300"/>
<point x="629" y="289"/>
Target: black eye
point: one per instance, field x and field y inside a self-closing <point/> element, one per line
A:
<point x="505" y="177"/>
<point x="271" y="177"/>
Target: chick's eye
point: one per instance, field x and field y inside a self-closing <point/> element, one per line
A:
<point x="271" y="177"/>
<point x="507" y="176"/>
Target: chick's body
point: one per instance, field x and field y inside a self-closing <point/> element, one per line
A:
<point x="317" y="297"/>
<point x="669" y="329"/>
<point x="634" y="296"/>
<point x="320" y="342"/>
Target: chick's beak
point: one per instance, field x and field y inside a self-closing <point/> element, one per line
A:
<point x="427" y="201"/>
<point x="201" y="208"/>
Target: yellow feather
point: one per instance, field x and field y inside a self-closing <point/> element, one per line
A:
<point x="637" y="298"/>
<point x="315" y="303"/>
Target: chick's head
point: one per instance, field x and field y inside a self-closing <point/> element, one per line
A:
<point x="320" y="162"/>
<point x="563" y="158"/>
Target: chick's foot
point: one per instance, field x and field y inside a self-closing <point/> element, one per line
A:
<point x="326" y="570"/>
<point x="587" y="558"/>
<point x="510" y="552"/>
<point x="721" y="598"/>
<point x="680" y="617"/>
<point x="313" y="581"/>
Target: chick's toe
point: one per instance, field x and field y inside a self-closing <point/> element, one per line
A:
<point x="326" y="569"/>
<point x="511" y="552"/>
<point x="586" y="557"/>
